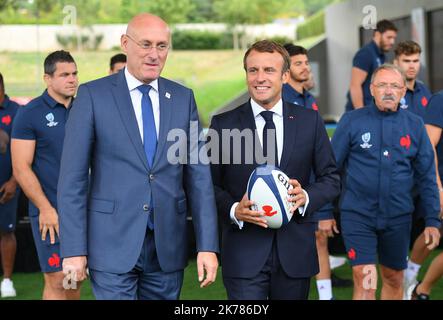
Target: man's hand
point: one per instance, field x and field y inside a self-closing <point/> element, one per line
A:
<point x="206" y="261"/>
<point x="296" y="195"/>
<point x="328" y="227"/>
<point x="76" y="267"/>
<point x="48" y="221"/>
<point x="432" y="237"/>
<point x="8" y="188"/>
<point x="244" y="213"/>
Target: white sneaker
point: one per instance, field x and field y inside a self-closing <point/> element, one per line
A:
<point x="408" y="287"/>
<point x="7" y="289"/>
<point x="335" y="262"/>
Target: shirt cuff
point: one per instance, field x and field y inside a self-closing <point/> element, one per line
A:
<point x="233" y="218"/>
<point x="302" y="210"/>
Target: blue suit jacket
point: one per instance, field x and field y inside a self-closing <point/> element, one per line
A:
<point x="306" y="149"/>
<point x="104" y="215"/>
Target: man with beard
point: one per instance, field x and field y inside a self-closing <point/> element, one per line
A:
<point x="366" y="60"/>
<point x="384" y="152"/>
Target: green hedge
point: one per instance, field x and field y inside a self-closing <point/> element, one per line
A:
<point x="201" y="40"/>
<point x="314" y="26"/>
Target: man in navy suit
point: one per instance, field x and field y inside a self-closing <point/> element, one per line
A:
<point x="126" y="221"/>
<point x="258" y="262"/>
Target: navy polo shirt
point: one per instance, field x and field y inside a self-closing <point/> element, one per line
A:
<point x="8" y="109"/>
<point x="434" y="116"/>
<point x="305" y="99"/>
<point x="43" y="120"/>
<point x="416" y="100"/>
<point x="368" y="58"/>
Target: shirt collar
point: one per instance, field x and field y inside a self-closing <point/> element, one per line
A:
<point x="134" y="83"/>
<point x="277" y="109"/>
<point x="49" y="100"/>
<point x="377" y="49"/>
<point x="417" y="87"/>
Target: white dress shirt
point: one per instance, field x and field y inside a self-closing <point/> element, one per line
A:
<point x="277" y="117"/>
<point x="136" y="98"/>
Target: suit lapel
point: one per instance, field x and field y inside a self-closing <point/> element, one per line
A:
<point x="127" y="114"/>
<point x="289" y="134"/>
<point x="165" y="98"/>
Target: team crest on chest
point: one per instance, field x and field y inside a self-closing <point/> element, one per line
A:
<point x="51" y="123"/>
<point x="366" y="137"/>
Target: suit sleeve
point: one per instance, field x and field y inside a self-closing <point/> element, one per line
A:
<point x="327" y="181"/>
<point x="223" y="198"/>
<point x="199" y="188"/>
<point x="424" y="166"/>
<point x="72" y="188"/>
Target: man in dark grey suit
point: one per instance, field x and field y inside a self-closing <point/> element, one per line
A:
<point x="127" y="220"/>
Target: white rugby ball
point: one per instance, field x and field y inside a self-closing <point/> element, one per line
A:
<point x="268" y="187"/>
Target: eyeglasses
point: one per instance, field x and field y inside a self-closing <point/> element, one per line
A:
<point x="146" y="45"/>
<point x="384" y="86"/>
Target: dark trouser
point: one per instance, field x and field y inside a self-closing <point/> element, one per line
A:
<point x="146" y="281"/>
<point x="271" y="283"/>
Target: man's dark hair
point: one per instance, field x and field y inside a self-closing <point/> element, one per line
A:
<point x="55" y="57"/>
<point x="407" y="48"/>
<point x="294" y="50"/>
<point x="118" y="58"/>
<point x="385" y="25"/>
<point x="270" y="47"/>
<point x="2" y="84"/>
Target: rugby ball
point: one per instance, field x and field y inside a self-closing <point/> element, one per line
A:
<point x="268" y="187"/>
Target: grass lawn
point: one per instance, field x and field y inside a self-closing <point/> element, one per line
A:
<point x="29" y="285"/>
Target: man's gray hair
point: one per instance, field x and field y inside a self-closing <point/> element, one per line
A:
<point x="391" y="67"/>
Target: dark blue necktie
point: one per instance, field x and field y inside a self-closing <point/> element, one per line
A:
<point x="149" y="131"/>
<point x="149" y="137"/>
<point x="269" y="125"/>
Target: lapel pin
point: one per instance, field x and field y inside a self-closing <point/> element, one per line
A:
<point x="291" y="117"/>
<point x="168" y="95"/>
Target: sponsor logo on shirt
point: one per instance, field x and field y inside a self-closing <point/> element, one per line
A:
<point x="314" y="106"/>
<point x="405" y="141"/>
<point x="424" y="102"/>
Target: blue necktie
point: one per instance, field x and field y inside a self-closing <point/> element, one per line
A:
<point x="149" y="137"/>
<point x="269" y="125"/>
<point x="149" y="131"/>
